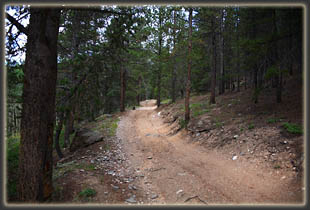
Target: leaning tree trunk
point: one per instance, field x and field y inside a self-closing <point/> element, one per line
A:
<point x="38" y="113"/>
<point x="57" y="135"/>
<point x="69" y="126"/>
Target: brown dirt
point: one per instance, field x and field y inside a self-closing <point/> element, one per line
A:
<point x="181" y="172"/>
<point x="172" y="166"/>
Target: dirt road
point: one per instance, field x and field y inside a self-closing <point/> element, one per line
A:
<point x="175" y="171"/>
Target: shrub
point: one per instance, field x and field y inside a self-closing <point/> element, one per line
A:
<point x="274" y="120"/>
<point x="166" y="101"/>
<point x="292" y="128"/>
<point x="182" y="123"/>
<point x="87" y="193"/>
<point x="251" y="126"/>
<point x="200" y="112"/>
<point x="12" y="165"/>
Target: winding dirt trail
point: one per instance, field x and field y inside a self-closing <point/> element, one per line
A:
<point x="176" y="171"/>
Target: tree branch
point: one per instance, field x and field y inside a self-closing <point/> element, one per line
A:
<point x="19" y="26"/>
<point x="98" y="10"/>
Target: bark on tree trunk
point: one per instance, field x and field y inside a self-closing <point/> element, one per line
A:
<point x="278" y="77"/>
<point x="123" y="87"/>
<point x="159" y="55"/>
<point x="221" y="36"/>
<point x="139" y="95"/>
<point x="213" y="77"/>
<point x="238" y="57"/>
<point x="188" y="84"/>
<point x="255" y="65"/>
<point x="69" y="126"/>
<point x="174" y="69"/>
<point x="245" y="80"/>
<point x="57" y="135"/>
<point x="38" y="113"/>
<point x="158" y="86"/>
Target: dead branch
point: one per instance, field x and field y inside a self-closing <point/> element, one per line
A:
<point x="195" y="196"/>
<point x="19" y="26"/>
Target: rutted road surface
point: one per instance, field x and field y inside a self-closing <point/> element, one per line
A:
<point x="176" y="171"/>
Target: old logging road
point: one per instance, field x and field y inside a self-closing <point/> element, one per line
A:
<point x="175" y="171"/>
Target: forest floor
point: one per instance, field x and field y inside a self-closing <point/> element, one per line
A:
<point x="234" y="152"/>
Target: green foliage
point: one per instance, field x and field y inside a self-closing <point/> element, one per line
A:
<point x="12" y="164"/>
<point x="273" y="120"/>
<point x="256" y="93"/>
<point x="166" y="101"/>
<point x="219" y="124"/>
<point x="198" y="109"/>
<point x="251" y="126"/>
<point x="87" y="194"/>
<point x="86" y="166"/>
<point x="271" y="72"/>
<point x="182" y="123"/>
<point x="15" y="77"/>
<point x="109" y="126"/>
<point x="200" y="112"/>
<point x="293" y="128"/>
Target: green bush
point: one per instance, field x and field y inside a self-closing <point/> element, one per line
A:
<point x="219" y="124"/>
<point x="182" y="123"/>
<point x="109" y="126"/>
<point x="292" y="128"/>
<point x="166" y="101"/>
<point x="198" y="109"/>
<point x="86" y="166"/>
<point x="251" y="126"/>
<point x="87" y="193"/>
<point x="200" y="112"/>
<point x="272" y="120"/>
<point x="12" y="164"/>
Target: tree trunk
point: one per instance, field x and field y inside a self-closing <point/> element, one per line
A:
<point x="57" y="135"/>
<point x="188" y="84"/>
<point x="290" y="43"/>
<point x="253" y="35"/>
<point x="139" y="95"/>
<point x="238" y="60"/>
<point x="213" y="77"/>
<point x="69" y="127"/>
<point x="278" y="77"/>
<point x="174" y="69"/>
<point x="158" y="85"/>
<point x="159" y="55"/>
<point x="245" y="80"/>
<point x="38" y="113"/>
<point x="222" y="81"/>
<point x="123" y="87"/>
